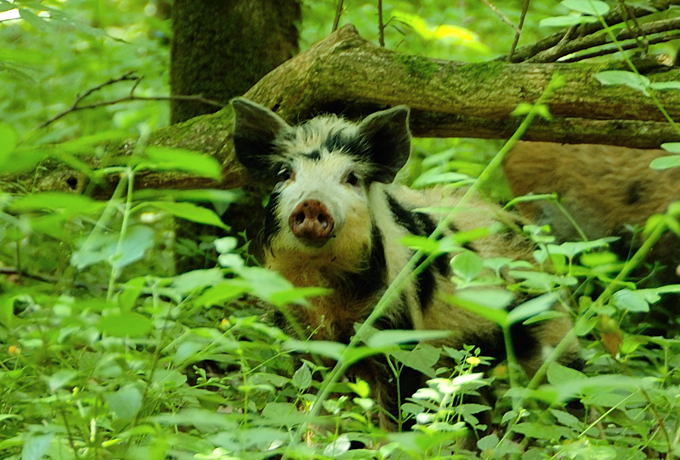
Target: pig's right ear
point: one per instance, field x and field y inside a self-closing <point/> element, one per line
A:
<point x="255" y="128"/>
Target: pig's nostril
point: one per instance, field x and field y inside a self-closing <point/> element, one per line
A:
<point x="311" y="221"/>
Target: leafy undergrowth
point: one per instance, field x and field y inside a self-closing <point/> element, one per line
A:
<point x="106" y="355"/>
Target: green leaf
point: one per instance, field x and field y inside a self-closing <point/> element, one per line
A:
<point x="634" y="301"/>
<point x="604" y="386"/>
<point x="423" y="358"/>
<point x="35" y="447"/>
<point x="226" y="244"/>
<point x="566" y="419"/>
<point x="360" y="387"/>
<point x="302" y="379"/>
<point x="233" y="261"/>
<point x="227" y="259"/>
<point x="190" y="212"/>
<point x="601" y="259"/>
<point x="667" y="162"/>
<point x="387" y="338"/>
<point x="532" y="307"/>
<point x="7" y="317"/>
<point x="338" y="447"/>
<point x="128" y="324"/>
<point x="523" y="108"/>
<point x="196" y="280"/>
<point x="267" y="284"/>
<point x="593" y="7"/>
<point x="320" y="347"/>
<point x="488" y="303"/>
<point x="125" y="403"/>
<point x="488" y="442"/>
<point x="545" y="316"/>
<point x="69" y="203"/>
<point x="132" y="289"/>
<point x="664" y="85"/>
<point x="104" y="248"/>
<point x="673" y="147"/>
<point x="60" y="379"/>
<point x="86" y="144"/>
<point x="167" y="158"/>
<point x="33" y="19"/>
<point x="8" y="140"/>
<point x="623" y="77"/>
<point x="200" y="418"/>
<point x="4" y="417"/>
<point x="6" y="6"/>
<point x="572" y="248"/>
<point x="468" y="265"/>
<point x="559" y="374"/>
<point x="542" y="431"/>
<point x="432" y="177"/>
<point x="223" y="292"/>
<point x="285" y="414"/>
<point x="420" y="243"/>
<point x="188" y="352"/>
<point x="356" y="354"/>
<point x="22" y="159"/>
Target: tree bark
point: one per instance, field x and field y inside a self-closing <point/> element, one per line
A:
<point x="346" y="74"/>
<point x="220" y="48"/>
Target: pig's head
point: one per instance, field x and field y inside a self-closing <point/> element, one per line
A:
<point x="322" y="171"/>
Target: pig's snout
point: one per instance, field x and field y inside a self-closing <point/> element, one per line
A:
<point x="311" y="221"/>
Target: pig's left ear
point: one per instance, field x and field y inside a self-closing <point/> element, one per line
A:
<point x="255" y="128"/>
<point x="389" y="141"/>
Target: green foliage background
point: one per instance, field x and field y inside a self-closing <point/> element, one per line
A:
<point x="106" y="353"/>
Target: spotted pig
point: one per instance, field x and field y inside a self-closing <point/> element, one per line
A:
<point x="336" y="219"/>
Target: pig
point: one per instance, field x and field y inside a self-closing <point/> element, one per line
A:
<point x="335" y="219"/>
<point x="608" y="190"/>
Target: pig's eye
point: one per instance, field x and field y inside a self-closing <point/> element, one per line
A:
<point x="284" y="173"/>
<point x="352" y="179"/>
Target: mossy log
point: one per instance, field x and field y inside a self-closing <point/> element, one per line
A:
<point x="346" y="74"/>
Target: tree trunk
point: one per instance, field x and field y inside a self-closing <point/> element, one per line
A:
<point x="220" y="48"/>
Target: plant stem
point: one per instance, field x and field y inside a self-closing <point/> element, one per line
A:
<point x="600" y="301"/>
<point x="650" y="92"/>
<point x="406" y="273"/>
<point x="128" y="177"/>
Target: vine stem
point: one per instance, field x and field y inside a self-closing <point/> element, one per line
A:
<point x="412" y="266"/>
<point x="129" y="177"/>
<point x="633" y="262"/>
<point x="650" y="91"/>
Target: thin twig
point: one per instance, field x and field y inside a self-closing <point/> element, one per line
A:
<point x="660" y="423"/>
<point x="135" y="85"/>
<point x="338" y="13"/>
<point x="8" y="271"/>
<point x="616" y="16"/>
<point x="501" y="16"/>
<point x="381" y="25"/>
<point x="11" y="271"/>
<point x="640" y="36"/>
<point x="611" y="48"/>
<point x="593" y="40"/>
<point x="128" y="76"/>
<point x="515" y="41"/>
